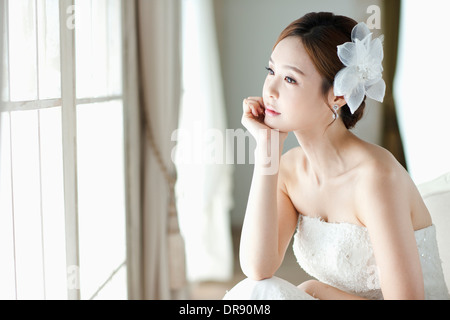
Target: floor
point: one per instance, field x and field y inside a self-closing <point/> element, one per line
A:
<point x="289" y="271"/>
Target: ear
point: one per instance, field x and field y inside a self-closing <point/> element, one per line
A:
<point x="340" y="101"/>
<point x="334" y="100"/>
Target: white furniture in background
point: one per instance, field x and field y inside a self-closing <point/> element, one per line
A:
<point x="436" y="195"/>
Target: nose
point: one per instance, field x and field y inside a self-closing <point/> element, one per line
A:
<point x="271" y="88"/>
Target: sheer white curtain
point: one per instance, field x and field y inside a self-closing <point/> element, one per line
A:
<point x="422" y="87"/>
<point x="159" y="67"/>
<point x="204" y="179"/>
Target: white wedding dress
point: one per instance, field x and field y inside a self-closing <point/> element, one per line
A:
<point x="341" y="255"/>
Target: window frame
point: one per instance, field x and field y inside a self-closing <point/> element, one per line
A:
<point x="68" y="104"/>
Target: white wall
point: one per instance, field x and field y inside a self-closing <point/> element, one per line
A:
<point x="247" y="31"/>
<point x="421" y="88"/>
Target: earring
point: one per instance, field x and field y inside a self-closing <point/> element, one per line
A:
<point x="335" y="112"/>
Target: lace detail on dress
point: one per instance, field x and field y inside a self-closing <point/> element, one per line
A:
<point x="341" y="255"/>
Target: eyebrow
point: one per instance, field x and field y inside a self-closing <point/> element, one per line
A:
<point x="294" y="68"/>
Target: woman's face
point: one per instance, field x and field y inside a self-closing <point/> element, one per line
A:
<point x="293" y="90"/>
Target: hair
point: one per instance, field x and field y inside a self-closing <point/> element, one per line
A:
<point x="321" y="33"/>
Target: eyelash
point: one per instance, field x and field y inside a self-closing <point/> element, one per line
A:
<point x="288" y="79"/>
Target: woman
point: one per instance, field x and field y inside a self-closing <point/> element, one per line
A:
<point x="363" y="230"/>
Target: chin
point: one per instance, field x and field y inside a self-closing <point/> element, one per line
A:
<point x="270" y="123"/>
<point x="275" y="124"/>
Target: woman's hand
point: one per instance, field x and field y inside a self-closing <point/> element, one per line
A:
<point x="253" y="120"/>
<point x="323" y="291"/>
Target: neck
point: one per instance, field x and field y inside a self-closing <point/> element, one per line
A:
<point x="325" y="150"/>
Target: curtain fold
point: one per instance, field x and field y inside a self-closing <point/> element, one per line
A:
<point x="391" y="137"/>
<point x="204" y="187"/>
<point x="159" y="71"/>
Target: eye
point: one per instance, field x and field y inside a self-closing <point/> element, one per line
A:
<point x="290" y="80"/>
<point x="270" y="71"/>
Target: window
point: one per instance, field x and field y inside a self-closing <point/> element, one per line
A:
<point x="62" y="189"/>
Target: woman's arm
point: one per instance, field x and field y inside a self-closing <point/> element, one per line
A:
<point x="384" y="205"/>
<point x="269" y="223"/>
<point x="270" y="218"/>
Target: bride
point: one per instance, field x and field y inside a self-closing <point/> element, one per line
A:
<point x="360" y="226"/>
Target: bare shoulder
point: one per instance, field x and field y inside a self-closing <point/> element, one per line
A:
<point x="379" y="174"/>
<point x="385" y="190"/>
<point x="378" y="165"/>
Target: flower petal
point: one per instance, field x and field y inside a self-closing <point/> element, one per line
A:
<point x="346" y="81"/>
<point x="370" y="82"/>
<point x="376" y="50"/>
<point x="347" y="53"/>
<point x="355" y="99"/>
<point x="360" y="31"/>
<point x="360" y="52"/>
<point x="377" y="91"/>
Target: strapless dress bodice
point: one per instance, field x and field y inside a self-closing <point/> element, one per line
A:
<point x="341" y="255"/>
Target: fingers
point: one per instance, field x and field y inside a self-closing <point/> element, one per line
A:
<point x="255" y="106"/>
<point x="258" y="99"/>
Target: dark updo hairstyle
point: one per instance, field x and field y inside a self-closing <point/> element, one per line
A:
<point x="321" y="33"/>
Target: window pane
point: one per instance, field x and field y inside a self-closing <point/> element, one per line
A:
<point x="114" y="33"/>
<point x="26" y="204"/>
<point x="7" y="273"/>
<point x="53" y="223"/>
<point x="22" y="50"/>
<point x="101" y="194"/>
<point x="4" y="86"/>
<point x="32" y="206"/>
<point x="98" y="44"/>
<point x="114" y="289"/>
<point x="49" y="50"/>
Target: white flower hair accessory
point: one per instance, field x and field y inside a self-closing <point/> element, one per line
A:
<point x="362" y="75"/>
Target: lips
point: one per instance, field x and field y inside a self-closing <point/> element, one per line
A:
<point x="271" y="111"/>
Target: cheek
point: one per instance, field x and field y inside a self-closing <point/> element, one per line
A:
<point x="295" y="102"/>
<point x="302" y="109"/>
<point x="265" y="93"/>
<point x="305" y="100"/>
